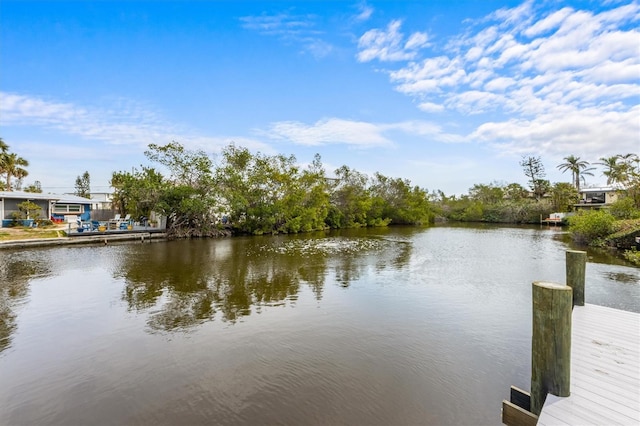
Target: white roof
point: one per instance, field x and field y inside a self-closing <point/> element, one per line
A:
<point x="22" y="195"/>
<point x="599" y="189"/>
<point x="73" y="199"/>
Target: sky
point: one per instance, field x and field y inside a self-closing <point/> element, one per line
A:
<point x="447" y="94"/>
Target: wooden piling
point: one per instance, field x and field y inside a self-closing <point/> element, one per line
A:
<point x="576" y="270"/>
<point x="551" y="342"/>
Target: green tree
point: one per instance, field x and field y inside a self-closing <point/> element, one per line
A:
<point x="137" y="193"/>
<point x="13" y="166"/>
<point x="394" y="200"/>
<point x="632" y="178"/>
<point x="487" y="194"/>
<point x="189" y="195"/>
<point x="534" y="170"/>
<point x="579" y="168"/>
<point x="34" y="187"/>
<point x="4" y="151"/>
<point x="563" y="197"/>
<point x="614" y="169"/>
<point x="28" y="210"/>
<point x="83" y="185"/>
<point x="630" y="167"/>
<point x="232" y="176"/>
<point x="515" y="192"/>
<point x="589" y="227"/>
<point x="308" y="201"/>
<point x="624" y="208"/>
<point x="350" y="199"/>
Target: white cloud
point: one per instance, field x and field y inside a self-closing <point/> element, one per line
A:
<point x="609" y="72"/>
<point x="431" y="107"/>
<point x="357" y="134"/>
<point x="500" y="84"/>
<point x="279" y="24"/>
<point x="387" y="45"/>
<point x="329" y="131"/>
<point x="430" y="76"/>
<point x="416" y="41"/>
<point x="517" y="17"/>
<point x="549" y="23"/>
<point x="365" y="12"/>
<point x="290" y="28"/>
<point x="560" y="75"/>
<point x="589" y="131"/>
<point x="121" y="122"/>
<point x="318" y="48"/>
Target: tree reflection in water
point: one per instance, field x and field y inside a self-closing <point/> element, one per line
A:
<point x="185" y="283"/>
<point x="16" y="270"/>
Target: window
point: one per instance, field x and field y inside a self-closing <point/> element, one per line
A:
<point x="595" y="197"/>
<point x="67" y="208"/>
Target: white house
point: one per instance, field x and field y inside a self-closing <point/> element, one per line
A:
<point x="597" y="197"/>
<point x="101" y="200"/>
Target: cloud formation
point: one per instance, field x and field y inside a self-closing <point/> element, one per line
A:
<point x="390" y="44"/>
<point x="291" y="28"/>
<point x="365" y="12"/>
<point x="120" y="122"/>
<point x="356" y="134"/>
<point x="561" y="81"/>
<point x="123" y="122"/>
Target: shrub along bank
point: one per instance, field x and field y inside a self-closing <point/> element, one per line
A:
<point x="600" y="228"/>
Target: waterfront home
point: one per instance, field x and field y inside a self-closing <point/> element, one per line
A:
<point x="59" y="207"/>
<point x="597" y="197"/>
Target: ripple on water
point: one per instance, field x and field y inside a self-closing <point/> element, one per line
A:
<point x="325" y="246"/>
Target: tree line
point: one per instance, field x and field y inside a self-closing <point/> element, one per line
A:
<point x="257" y="194"/>
<point x="262" y="194"/>
<point x="513" y="203"/>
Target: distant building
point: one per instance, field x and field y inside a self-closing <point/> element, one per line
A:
<point x="597" y="197"/>
<point x="102" y="200"/>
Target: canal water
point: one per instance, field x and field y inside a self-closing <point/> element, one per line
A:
<point x="397" y="326"/>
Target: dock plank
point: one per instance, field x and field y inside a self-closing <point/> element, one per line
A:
<point x="605" y="370"/>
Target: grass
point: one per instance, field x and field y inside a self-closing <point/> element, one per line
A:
<point x="25" y="233"/>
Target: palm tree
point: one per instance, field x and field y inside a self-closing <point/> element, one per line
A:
<point x="12" y="165"/>
<point x="578" y="169"/>
<point x="4" y="150"/>
<point x="614" y="171"/>
<point x="629" y="160"/>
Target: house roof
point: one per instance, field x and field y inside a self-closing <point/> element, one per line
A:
<point x="599" y="189"/>
<point x="59" y="198"/>
<point x="73" y="199"/>
<point x="28" y="195"/>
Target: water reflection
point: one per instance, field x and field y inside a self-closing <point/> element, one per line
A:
<point x="186" y="283"/>
<point x="16" y="270"/>
<point x="622" y="277"/>
<point x="257" y="330"/>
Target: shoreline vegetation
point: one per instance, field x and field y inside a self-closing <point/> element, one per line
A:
<point x="255" y="194"/>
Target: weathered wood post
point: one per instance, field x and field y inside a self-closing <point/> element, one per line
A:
<point x="551" y="342"/>
<point x="576" y="270"/>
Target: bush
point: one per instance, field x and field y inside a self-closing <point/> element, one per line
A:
<point x="632" y="256"/>
<point x="589" y="227"/>
<point x="625" y="208"/>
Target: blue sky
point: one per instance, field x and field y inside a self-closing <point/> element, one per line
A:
<point x="444" y="93"/>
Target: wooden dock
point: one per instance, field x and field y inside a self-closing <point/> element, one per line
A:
<point x="605" y="371"/>
<point x="585" y="359"/>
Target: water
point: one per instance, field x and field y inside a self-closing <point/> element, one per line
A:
<point x="386" y="326"/>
